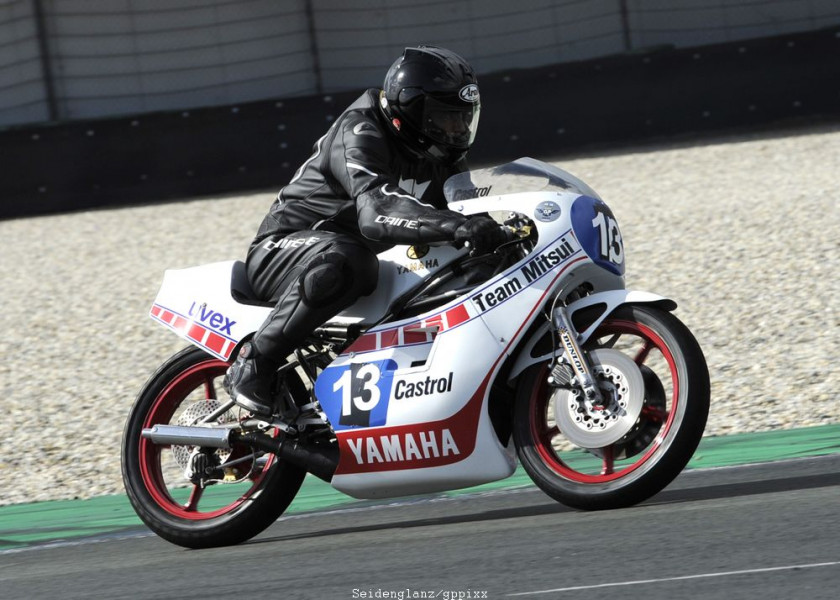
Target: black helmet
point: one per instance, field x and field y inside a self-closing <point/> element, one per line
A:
<point x="431" y="101"/>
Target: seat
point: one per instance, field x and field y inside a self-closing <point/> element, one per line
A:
<point x="240" y="287"/>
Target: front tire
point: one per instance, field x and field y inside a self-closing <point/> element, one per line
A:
<point x="654" y="450"/>
<point x="192" y="515"/>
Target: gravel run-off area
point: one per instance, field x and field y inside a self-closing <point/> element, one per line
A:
<point x="742" y="231"/>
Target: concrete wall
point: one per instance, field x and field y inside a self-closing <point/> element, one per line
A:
<point x="23" y="94"/>
<point x="541" y="112"/>
<point x="698" y="22"/>
<point x="81" y="59"/>
<point x="113" y="57"/>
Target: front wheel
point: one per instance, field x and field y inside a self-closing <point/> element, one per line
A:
<point x="590" y="458"/>
<point x="250" y="489"/>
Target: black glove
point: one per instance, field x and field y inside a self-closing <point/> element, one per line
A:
<point x="482" y="233"/>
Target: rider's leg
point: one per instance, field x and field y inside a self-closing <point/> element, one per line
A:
<point x="311" y="276"/>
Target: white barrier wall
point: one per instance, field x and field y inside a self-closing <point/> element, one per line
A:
<point x="357" y="44"/>
<point x="128" y="56"/>
<point x="76" y="59"/>
<point x="686" y="23"/>
<point x="23" y="95"/>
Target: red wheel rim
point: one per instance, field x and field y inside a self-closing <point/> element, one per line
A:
<point x="164" y="407"/>
<point x="543" y="432"/>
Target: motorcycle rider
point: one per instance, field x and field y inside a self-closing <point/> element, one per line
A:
<point x="375" y="179"/>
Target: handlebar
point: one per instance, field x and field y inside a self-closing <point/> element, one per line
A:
<point x="513" y="235"/>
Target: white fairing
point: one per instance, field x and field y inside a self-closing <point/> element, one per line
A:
<point x="196" y="303"/>
<point x="400" y="269"/>
<point x="608" y="301"/>
<point x="408" y="400"/>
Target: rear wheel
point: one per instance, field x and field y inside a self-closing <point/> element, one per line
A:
<point x="248" y="490"/>
<point x="596" y="457"/>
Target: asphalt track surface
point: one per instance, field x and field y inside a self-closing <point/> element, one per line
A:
<point x="766" y="531"/>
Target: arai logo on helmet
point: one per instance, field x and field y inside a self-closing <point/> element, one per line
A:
<point x="547" y="212"/>
<point x="469" y="93"/>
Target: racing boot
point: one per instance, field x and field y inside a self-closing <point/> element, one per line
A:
<point x="249" y="381"/>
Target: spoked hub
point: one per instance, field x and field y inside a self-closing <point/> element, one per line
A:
<point x="590" y="443"/>
<point x="186" y="456"/>
<point x="189" y="398"/>
<point x="654" y="382"/>
<point x="589" y="424"/>
<point x="190" y="470"/>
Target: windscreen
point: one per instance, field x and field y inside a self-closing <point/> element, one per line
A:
<point x="522" y="175"/>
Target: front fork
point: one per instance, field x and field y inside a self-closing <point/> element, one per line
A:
<point x="573" y="358"/>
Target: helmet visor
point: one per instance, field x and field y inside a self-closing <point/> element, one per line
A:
<point x="454" y="126"/>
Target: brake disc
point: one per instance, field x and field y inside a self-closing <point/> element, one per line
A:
<point x="191" y="416"/>
<point x="622" y="386"/>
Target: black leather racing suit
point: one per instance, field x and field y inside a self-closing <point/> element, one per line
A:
<point x="359" y="193"/>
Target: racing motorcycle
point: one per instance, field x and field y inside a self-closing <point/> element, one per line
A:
<point x="457" y="366"/>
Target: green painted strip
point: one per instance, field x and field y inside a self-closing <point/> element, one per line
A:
<point x="767" y="446"/>
<point x="24" y="525"/>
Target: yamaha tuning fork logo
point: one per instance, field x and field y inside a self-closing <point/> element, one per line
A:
<point x="417" y="251"/>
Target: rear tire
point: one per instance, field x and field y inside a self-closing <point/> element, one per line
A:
<point x="659" y="445"/>
<point x="217" y="515"/>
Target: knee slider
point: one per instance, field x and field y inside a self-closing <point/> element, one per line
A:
<point x="325" y="280"/>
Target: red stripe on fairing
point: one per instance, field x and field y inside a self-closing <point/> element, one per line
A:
<point x="463" y="425"/>
<point x="457" y="315"/>
<point x="365" y="343"/>
<point x="390" y="338"/>
<point x="196" y="332"/>
<point x="414" y="337"/>
<point x="436" y="320"/>
<point x="215" y="342"/>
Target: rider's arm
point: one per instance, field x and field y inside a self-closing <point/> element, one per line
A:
<point x="386" y="212"/>
<point x="389" y="214"/>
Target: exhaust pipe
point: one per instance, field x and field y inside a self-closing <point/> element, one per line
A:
<point x="177" y="435"/>
<point x="319" y="460"/>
